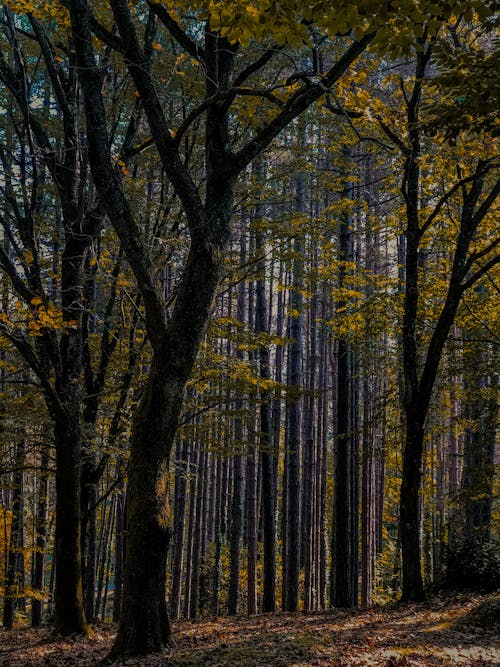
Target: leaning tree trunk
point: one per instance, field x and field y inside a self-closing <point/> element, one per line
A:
<point x="144" y="625"/>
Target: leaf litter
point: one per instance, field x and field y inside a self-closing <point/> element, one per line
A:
<point x="439" y="633"/>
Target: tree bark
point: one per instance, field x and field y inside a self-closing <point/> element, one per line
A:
<point x="12" y="574"/>
<point x="267" y="454"/>
<point x="181" y="471"/>
<point x="343" y="471"/>
<point x="38" y="576"/>
<point x="293" y="412"/>
<point x="70" y="616"/>
<point x="238" y="460"/>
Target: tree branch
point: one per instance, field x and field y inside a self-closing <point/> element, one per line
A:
<point x="479" y="273"/>
<point x="256" y="65"/>
<point x="107" y="179"/>
<point x="180" y="36"/>
<point x="167" y="146"/>
<point x="297" y="103"/>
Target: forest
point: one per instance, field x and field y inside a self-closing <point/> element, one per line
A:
<point x="249" y="332"/>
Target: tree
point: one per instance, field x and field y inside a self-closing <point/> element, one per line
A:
<point x="472" y="195"/>
<point x="144" y="624"/>
<point x="206" y="135"/>
<point x="12" y="580"/>
<point x="61" y="299"/>
<point x="345" y="514"/>
<point x="63" y="354"/>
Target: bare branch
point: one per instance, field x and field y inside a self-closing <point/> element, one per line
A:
<point x="180" y="36"/>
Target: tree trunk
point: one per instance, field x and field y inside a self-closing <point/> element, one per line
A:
<point x="367" y="499"/>
<point x="12" y="578"/>
<point x="144" y="624"/>
<point x="237" y="498"/>
<point x="38" y="575"/>
<point x="309" y="457"/>
<point x="236" y="524"/>
<point x="218" y="540"/>
<point x="106" y="532"/>
<point x="70" y="615"/>
<point x="479" y="442"/>
<point x="343" y="555"/>
<point x="413" y="586"/>
<point x="196" y="565"/>
<point x="193" y="457"/>
<point x="89" y="536"/>
<point x="119" y="553"/>
<point x="251" y="523"/>
<point x="181" y="471"/>
<point x="267" y="455"/>
<point x="294" y="408"/>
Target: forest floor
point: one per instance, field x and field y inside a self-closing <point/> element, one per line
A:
<point x="460" y="630"/>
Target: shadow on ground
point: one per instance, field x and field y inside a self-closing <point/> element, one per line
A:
<point x="437" y="634"/>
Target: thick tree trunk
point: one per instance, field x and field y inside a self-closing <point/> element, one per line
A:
<point x="144" y="624"/>
<point x="409" y="525"/>
<point x="67" y="415"/>
<point x="70" y="616"/>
